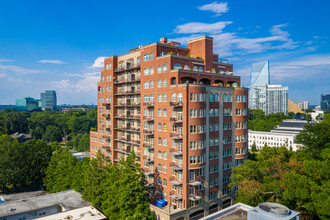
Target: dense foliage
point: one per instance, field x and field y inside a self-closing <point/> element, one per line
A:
<point x="299" y="180"/>
<point x="258" y="121"/>
<point x="22" y="166"/>
<point x="116" y="189"/>
<point x="73" y="126"/>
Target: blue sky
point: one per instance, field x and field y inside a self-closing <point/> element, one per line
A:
<point x="60" y="44"/>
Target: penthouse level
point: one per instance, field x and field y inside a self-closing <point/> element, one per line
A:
<point x="183" y="112"/>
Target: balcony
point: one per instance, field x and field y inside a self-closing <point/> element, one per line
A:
<point x="123" y="116"/>
<point x="149" y="173"/>
<point x="176" y="136"/>
<point x="132" y="92"/>
<point x="175" y="152"/>
<point x="123" y="140"/>
<point x="150" y="147"/>
<point x="127" y="105"/>
<point x="149" y="132"/>
<point x="124" y="151"/>
<point x="131" y="129"/>
<point x="106" y="104"/>
<point x="149" y="159"/>
<point x="175" y="182"/>
<point x="174" y="166"/>
<point x="107" y="115"/>
<point x="148" y="118"/>
<point x="122" y="81"/>
<point x="176" y="120"/>
<point x="128" y="67"/>
<point x="149" y="104"/>
<point x="176" y="104"/>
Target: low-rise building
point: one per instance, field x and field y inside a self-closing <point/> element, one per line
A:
<point x="51" y="205"/>
<point x="283" y="135"/>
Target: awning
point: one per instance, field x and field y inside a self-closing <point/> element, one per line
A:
<point x="195" y="198"/>
<point x="176" y="197"/>
<point x="195" y="183"/>
<point x="175" y="182"/>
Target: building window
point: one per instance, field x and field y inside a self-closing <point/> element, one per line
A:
<point x="173" y="97"/>
<point x="151" y="55"/>
<point x="200" y="69"/>
<point x="164" y="98"/>
<point x="165" y="112"/>
<point x="193" y="129"/>
<point x="238" y="98"/>
<point x="164" y="68"/>
<point x="193" y="97"/>
<point x="164" y="155"/>
<point x="180" y="98"/>
<point x="192" y="159"/>
<point x="146" y="85"/>
<point x="211" y="98"/>
<point x="159" y="154"/>
<point x="186" y="67"/>
<point x="224" y="98"/>
<point x="146" y="57"/>
<point x="177" y="66"/>
<point x="159" y="112"/>
<point x="151" y="84"/>
<point x="159" y="98"/>
<point x="193" y="113"/>
<point x="146" y="71"/>
<point x="159" y="69"/>
<point x="164" y="83"/>
<point x="164" y="142"/>
<point x="195" y="68"/>
<point x="229" y="98"/>
<point x="193" y="145"/>
<point x="152" y="71"/>
<point x="160" y="127"/>
<point x="159" y="83"/>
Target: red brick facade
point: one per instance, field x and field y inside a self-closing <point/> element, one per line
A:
<point x="185" y="118"/>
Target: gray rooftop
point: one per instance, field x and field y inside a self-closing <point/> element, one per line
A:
<point x="67" y="199"/>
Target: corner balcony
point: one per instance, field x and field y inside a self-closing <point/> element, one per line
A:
<point x="149" y="132"/>
<point x="175" y="152"/>
<point x="175" y="166"/>
<point x="127" y="67"/>
<point x="148" y="146"/>
<point x="174" y="181"/>
<point x="106" y="115"/>
<point x="127" y="141"/>
<point x="127" y="105"/>
<point x="124" y="151"/>
<point x="130" y="129"/>
<point x="148" y="118"/>
<point x="149" y="159"/>
<point x="122" y="81"/>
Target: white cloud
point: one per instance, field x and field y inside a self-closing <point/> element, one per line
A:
<point x="21" y="70"/>
<point x="63" y="85"/>
<point x="98" y="63"/>
<point x="51" y="61"/>
<point x="6" y="60"/>
<point x="215" y="7"/>
<point x="2" y="75"/>
<point x="198" y="27"/>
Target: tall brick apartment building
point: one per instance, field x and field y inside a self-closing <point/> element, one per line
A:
<point x="184" y="114"/>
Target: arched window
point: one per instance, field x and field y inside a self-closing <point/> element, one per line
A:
<point x="146" y="57"/>
<point x="159" y="83"/>
<point x="106" y="79"/>
<point x="160" y="141"/>
<point x="159" y="98"/>
<point x="164" y="98"/>
<point x="159" y="154"/>
<point x="146" y="85"/>
<point x="216" y="97"/>
<point x="107" y="88"/>
<point x="151" y="84"/>
<point x="200" y="69"/>
<point x="152" y="99"/>
<point x="146" y="98"/>
<point x="164" y="112"/>
<point x="102" y="78"/>
<point x="195" y="68"/>
<point x="229" y="98"/>
<point x="224" y="98"/>
<point x="173" y="81"/>
<point x="159" y="112"/>
<point x="159" y="129"/>
<point x="164" y="155"/>
<point x="211" y="98"/>
<point x="164" y="83"/>
<point x="164" y="142"/>
<point x="160" y="170"/>
<point x="164" y="180"/>
<point x="146" y="71"/>
<point x="186" y="67"/>
<point x="173" y="97"/>
<point x="177" y="67"/>
<point x="159" y="69"/>
<point x="180" y="98"/>
<point x="107" y="67"/>
<point x="164" y="127"/>
<point x="151" y="55"/>
<point x="152" y="71"/>
<point x="164" y="68"/>
<point x="138" y="60"/>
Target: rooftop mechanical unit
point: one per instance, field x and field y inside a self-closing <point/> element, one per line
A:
<point x="272" y="211"/>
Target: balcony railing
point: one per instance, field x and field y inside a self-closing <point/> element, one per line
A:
<point x="131" y="92"/>
<point x="149" y="132"/>
<point x="127" y="141"/>
<point x="132" y="129"/>
<point x="176" y="104"/>
<point x="127" y="67"/>
<point x="148" y="104"/>
<point x="129" y="105"/>
<point x="176" y="120"/>
<point x="176" y="135"/>
<point x="123" y="116"/>
<point x="120" y="81"/>
<point x="148" y="118"/>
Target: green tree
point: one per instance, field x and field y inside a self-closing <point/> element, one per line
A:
<point x="52" y="133"/>
<point x="16" y="122"/>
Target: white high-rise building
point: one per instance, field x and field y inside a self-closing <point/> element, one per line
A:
<point x="269" y="98"/>
<point x="303" y="104"/>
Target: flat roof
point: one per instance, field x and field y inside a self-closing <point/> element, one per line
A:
<point x="234" y="212"/>
<point x="84" y="213"/>
<point x="67" y="199"/>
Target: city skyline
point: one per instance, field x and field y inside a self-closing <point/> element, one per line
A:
<point x="57" y="47"/>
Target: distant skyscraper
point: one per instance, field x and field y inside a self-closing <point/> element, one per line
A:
<point x="269" y="98"/>
<point x="48" y="100"/>
<point x="325" y="102"/>
<point x="303" y="104"/>
<point x="259" y="75"/>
